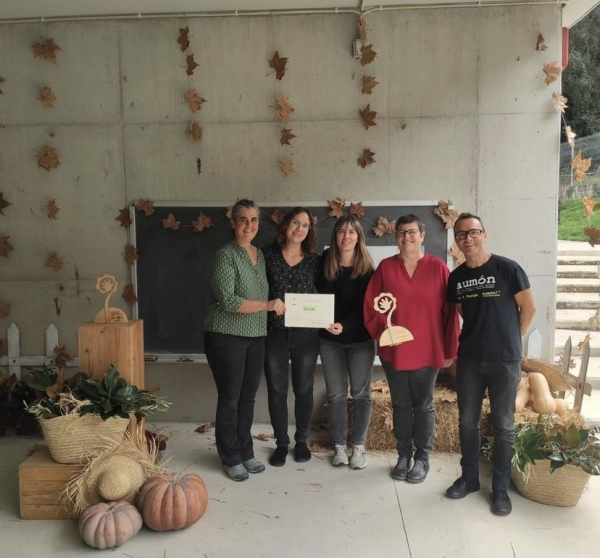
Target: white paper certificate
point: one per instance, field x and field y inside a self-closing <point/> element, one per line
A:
<point x="309" y="310"/>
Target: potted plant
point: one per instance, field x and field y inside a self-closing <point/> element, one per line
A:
<point x="76" y="413"/>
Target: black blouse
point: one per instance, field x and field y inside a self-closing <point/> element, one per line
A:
<point x="284" y="278"/>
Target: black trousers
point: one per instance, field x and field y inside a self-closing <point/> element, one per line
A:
<point x="237" y="364"/>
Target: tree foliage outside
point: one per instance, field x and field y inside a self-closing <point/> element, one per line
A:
<point x="581" y="79"/>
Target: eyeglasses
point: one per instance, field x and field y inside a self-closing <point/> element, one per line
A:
<point x="297" y="224"/>
<point x="410" y="232"/>
<point x="473" y="233"/>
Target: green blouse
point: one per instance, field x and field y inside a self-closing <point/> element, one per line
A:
<point x="234" y="278"/>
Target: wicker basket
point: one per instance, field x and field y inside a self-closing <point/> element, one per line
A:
<point x="561" y="488"/>
<point x="72" y="438"/>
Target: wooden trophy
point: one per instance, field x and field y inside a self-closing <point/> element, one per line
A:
<point x="385" y="303"/>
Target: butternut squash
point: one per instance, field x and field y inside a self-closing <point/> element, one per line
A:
<point x="523" y="397"/>
<point x="561" y="406"/>
<point x="543" y="402"/>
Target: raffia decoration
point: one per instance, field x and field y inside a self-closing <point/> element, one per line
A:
<point x="117" y="471"/>
<point x="554" y="376"/>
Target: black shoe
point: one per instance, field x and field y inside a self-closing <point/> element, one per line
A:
<point x="278" y="457"/>
<point x="400" y="471"/>
<point x="419" y="471"/>
<point x="500" y="502"/>
<point x="462" y="488"/>
<point x="301" y="452"/>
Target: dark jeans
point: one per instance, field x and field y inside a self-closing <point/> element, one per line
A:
<point x="501" y="380"/>
<point x="414" y="413"/>
<point x="301" y="346"/>
<point x="237" y="365"/>
<point x="340" y="362"/>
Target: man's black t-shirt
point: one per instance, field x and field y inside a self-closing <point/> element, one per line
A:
<point x="491" y="329"/>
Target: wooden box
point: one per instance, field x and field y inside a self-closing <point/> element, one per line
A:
<point x="41" y="480"/>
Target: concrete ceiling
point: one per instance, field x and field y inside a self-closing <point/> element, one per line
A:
<point x="37" y="9"/>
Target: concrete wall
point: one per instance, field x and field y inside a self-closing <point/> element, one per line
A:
<point x="463" y="114"/>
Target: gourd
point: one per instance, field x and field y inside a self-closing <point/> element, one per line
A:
<point x="523" y="397"/>
<point x="109" y="524"/>
<point x="561" y="406"/>
<point x="171" y="502"/>
<point x="543" y="402"/>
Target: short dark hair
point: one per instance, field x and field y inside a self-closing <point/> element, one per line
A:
<point x="468" y="215"/>
<point x="309" y="244"/>
<point x="409" y="219"/>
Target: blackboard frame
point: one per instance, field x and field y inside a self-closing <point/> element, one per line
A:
<point x="172" y="262"/>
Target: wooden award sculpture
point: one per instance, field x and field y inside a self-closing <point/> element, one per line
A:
<point x="385" y="303"/>
<point x="109" y="284"/>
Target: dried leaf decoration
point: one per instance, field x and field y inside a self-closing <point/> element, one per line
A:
<point x="194" y="100"/>
<point x="53" y="209"/>
<point x="53" y="261"/>
<point x="592" y="233"/>
<point x="5" y="246"/>
<point x="199" y="165"/>
<point x="285" y="109"/>
<point x="540" y="44"/>
<point x="277" y="216"/>
<point x="287" y="166"/>
<point x="447" y="215"/>
<point x="203" y="222"/>
<point x="47" y="96"/>
<point x="131" y="254"/>
<point x="357" y="210"/>
<point x="368" y="84"/>
<point x="147" y="206"/>
<point x="195" y="133"/>
<point x="191" y="64"/>
<point x="588" y="206"/>
<point x="286" y="136"/>
<point x="62" y="356"/>
<point x="171" y="223"/>
<point x="124" y="217"/>
<point x="46" y="50"/>
<point x="362" y="29"/>
<point x="3" y="203"/>
<point x="581" y="344"/>
<point x="552" y="72"/>
<point x="129" y="294"/>
<point x="570" y="136"/>
<point x="368" y="116"/>
<point x="49" y="159"/>
<point x="336" y="207"/>
<point x="183" y="39"/>
<point x="278" y="64"/>
<point x="581" y="167"/>
<point x="384" y="227"/>
<point x="560" y="102"/>
<point x="367" y="54"/>
<point x="2" y="80"/>
<point x="4" y="309"/>
<point x="455" y="252"/>
<point x="366" y="158"/>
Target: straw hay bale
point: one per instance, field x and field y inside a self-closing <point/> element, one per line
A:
<point x="551" y="372"/>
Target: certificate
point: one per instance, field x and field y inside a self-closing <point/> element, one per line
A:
<point x="309" y="310"/>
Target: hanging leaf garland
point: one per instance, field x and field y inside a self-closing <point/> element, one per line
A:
<point x="571" y="135"/>
<point x="368" y="116"/>
<point x="124" y="217"/>
<point x="46" y="50"/>
<point x="195" y="133"/>
<point x="367" y="54"/>
<point x="336" y="207"/>
<point x="287" y="166"/>
<point x="5" y="246"/>
<point x="191" y="64"/>
<point x="552" y="72"/>
<point x="47" y="97"/>
<point x="194" y="100"/>
<point x="49" y="159"/>
<point x="447" y="215"/>
<point x="171" y="223"/>
<point x="147" y="206"/>
<point x="278" y="63"/>
<point x="581" y="166"/>
<point x="53" y="261"/>
<point x="53" y="209"/>
<point x="286" y="136"/>
<point x="368" y="84"/>
<point x="357" y="210"/>
<point x="366" y="158"/>
<point x="129" y="294"/>
<point x="593" y="235"/>
<point x="540" y="44"/>
<point x="362" y="29"/>
<point x="131" y="254"/>
<point x="4" y="309"/>
<point x="2" y="80"/>
<point x="384" y="227"/>
<point x="588" y="206"/>
<point x="560" y="102"/>
<point x="277" y="216"/>
<point x="202" y="222"/>
<point x="3" y="203"/>
<point x="183" y="39"/>
<point x="285" y="109"/>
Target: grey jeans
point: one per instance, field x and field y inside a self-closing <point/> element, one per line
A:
<point x="343" y="362"/>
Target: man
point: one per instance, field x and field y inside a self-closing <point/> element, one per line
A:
<point x="494" y="297"/>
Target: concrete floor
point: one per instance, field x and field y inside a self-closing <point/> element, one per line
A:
<point x="316" y="510"/>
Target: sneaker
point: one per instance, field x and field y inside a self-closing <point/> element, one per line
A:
<point x="301" y="452"/>
<point x="236" y="472"/>
<point x="400" y="471"/>
<point x="419" y="472"/>
<point x="253" y="465"/>
<point x="359" y="458"/>
<point x="278" y="457"/>
<point x="501" y="504"/>
<point x="340" y="457"/>
<point x="462" y="488"/>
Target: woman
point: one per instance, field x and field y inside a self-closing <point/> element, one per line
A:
<point x="418" y="282"/>
<point x="234" y="339"/>
<point x="292" y="266"/>
<point x="347" y="350"/>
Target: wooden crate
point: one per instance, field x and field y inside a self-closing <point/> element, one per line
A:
<point x="41" y="480"/>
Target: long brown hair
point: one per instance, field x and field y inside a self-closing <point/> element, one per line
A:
<point x="363" y="263"/>
<point x="309" y="244"/>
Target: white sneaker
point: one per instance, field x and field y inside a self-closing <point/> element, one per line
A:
<point x="341" y="456"/>
<point x="359" y="458"/>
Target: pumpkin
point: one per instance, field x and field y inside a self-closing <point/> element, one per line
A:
<point x="561" y="406"/>
<point x="171" y="502"/>
<point x="543" y="402"/>
<point x="109" y="524"/>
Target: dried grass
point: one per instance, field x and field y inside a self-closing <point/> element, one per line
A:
<point x="551" y="372"/>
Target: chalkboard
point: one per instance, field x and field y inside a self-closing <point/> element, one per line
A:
<point x="172" y="273"/>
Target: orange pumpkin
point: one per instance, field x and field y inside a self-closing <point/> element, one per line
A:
<point x="171" y="502"/>
<point x="109" y="524"/>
